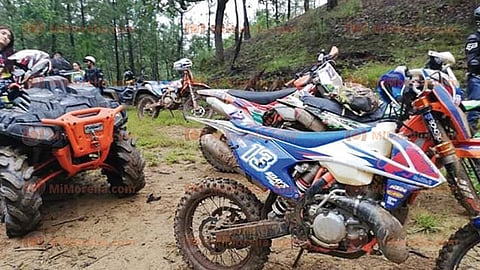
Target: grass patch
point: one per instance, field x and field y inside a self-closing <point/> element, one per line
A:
<point x="178" y="155"/>
<point x="427" y="223"/>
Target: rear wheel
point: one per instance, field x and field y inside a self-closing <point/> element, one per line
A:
<point x="203" y="109"/>
<point x="128" y="177"/>
<point x="461" y="251"/>
<point x="214" y="204"/>
<point x="21" y="200"/>
<point x="143" y="111"/>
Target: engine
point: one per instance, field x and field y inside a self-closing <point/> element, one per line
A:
<point x="336" y="228"/>
<point x="170" y="99"/>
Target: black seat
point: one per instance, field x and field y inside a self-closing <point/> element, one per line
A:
<point x="332" y="106"/>
<point x="262" y="98"/>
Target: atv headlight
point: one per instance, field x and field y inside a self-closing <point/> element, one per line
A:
<point x="118" y="119"/>
<point x="39" y="133"/>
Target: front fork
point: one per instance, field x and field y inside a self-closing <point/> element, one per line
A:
<point x="445" y="150"/>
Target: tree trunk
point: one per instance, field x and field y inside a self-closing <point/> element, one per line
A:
<point x="117" y="60"/>
<point x="209" y="42"/>
<point x="276" y="11"/>
<point x="246" y="24"/>
<point x="130" y="48"/>
<point x="180" y="40"/>
<point x="306" y="5"/>
<point x="238" y="43"/>
<point x="82" y="13"/>
<point x="69" y="14"/>
<point x="266" y="11"/>
<point x="218" y="29"/>
<point x="237" y="34"/>
<point x="289" y="7"/>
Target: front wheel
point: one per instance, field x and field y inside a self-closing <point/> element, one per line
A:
<point x="462" y="177"/>
<point x="125" y="173"/>
<point x="214" y="204"/>
<point x="461" y="251"/>
<point x="142" y="107"/>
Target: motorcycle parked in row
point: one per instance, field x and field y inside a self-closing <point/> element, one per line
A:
<point x="462" y="248"/>
<point x="174" y="95"/>
<point x="328" y="190"/>
<point x="424" y="109"/>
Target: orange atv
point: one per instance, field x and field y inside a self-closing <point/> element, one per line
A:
<point x="65" y="131"/>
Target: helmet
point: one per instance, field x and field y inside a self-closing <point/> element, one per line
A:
<point x="89" y="58"/>
<point x="128" y="75"/>
<point x="182" y="64"/>
<point x="476" y="14"/>
<point x="33" y="63"/>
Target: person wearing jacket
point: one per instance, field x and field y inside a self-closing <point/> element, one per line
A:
<point x="93" y="74"/>
<point x="472" y="51"/>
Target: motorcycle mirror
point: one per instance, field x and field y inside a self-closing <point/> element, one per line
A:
<point x="321" y="55"/>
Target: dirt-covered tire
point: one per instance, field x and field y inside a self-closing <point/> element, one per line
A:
<point x="183" y="226"/>
<point x="460" y="183"/>
<point x="21" y="199"/>
<point x="217" y="163"/>
<point x="143" y="101"/>
<point x="128" y="176"/>
<point x="457" y="246"/>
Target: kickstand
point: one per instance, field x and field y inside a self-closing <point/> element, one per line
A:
<point x="295" y="263"/>
<point x="171" y="112"/>
<point x="418" y="253"/>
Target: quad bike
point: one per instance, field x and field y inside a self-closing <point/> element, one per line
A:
<point x="179" y="94"/>
<point x="61" y="134"/>
<point x="461" y="251"/>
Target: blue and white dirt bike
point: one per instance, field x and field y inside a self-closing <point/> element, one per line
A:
<point x="462" y="250"/>
<point x="341" y="193"/>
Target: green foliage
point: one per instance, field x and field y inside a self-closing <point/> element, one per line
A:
<point x="426" y="222"/>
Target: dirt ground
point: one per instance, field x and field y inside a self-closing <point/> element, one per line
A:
<point x="130" y="233"/>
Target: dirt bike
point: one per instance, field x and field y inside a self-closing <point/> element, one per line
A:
<point x="461" y="251"/>
<point x="328" y="191"/>
<point x="179" y="94"/>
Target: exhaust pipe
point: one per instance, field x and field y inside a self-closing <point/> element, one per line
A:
<point x="390" y="234"/>
<point x="308" y="120"/>
<point x="219" y="153"/>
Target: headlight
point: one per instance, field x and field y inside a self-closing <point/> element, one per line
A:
<point x="34" y="134"/>
<point x="118" y="119"/>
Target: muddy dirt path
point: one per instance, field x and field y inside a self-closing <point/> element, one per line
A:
<point x="130" y="233"/>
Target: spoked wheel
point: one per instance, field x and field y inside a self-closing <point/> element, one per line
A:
<point x="463" y="178"/>
<point x="203" y="109"/>
<point x="142" y="107"/>
<point x="211" y="205"/>
<point x="462" y="251"/>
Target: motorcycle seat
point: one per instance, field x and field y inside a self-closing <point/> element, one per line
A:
<point x="302" y="138"/>
<point x="262" y="98"/>
<point x="117" y="88"/>
<point x="332" y="106"/>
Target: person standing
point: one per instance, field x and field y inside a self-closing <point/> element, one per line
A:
<point x="93" y="74"/>
<point x="472" y="51"/>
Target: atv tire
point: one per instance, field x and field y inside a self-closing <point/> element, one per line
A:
<point x="128" y="177"/>
<point x="143" y="101"/>
<point x="21" y="200"/>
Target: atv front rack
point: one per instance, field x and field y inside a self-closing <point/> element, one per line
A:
<point x="90" y="135"/>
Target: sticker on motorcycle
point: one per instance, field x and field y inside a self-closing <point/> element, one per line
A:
<point x="259" y="158"/>
<point x="275" y="181"/>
